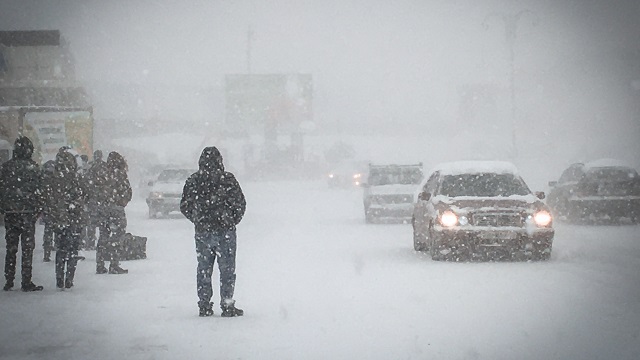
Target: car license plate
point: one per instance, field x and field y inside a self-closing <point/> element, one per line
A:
<point x="498" y="235"/>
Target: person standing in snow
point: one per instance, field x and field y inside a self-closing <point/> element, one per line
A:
<point x="113" y="193"/>
<point x="65" y="198"/>
<point x="21" y="203"/>
<point x="213" y="201"/>
<point x="96" y="168"/>
<point x="48" y="169"/>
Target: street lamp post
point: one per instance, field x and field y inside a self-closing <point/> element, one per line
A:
<point x="511" y="22"/>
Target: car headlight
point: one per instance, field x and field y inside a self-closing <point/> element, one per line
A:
<point x="542" y="218"/>
<point x="357" y="176"/>
<point x="330" y="176"/>
<point x="448" y="219"/>
<point x="155" y="195"/>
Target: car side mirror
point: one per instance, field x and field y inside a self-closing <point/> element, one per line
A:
<point x="150" y="183"/>
<point x="424" y="196"/>
<point x="553" y="183"/>
<point x="540" y="195"/>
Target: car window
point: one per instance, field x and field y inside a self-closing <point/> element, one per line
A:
<point x="483" y="184"/>
<point x="391" y="176"/>
<point x="611" y="174"/>
<point x="572" y="174"/>
<point x="430" y="186"/>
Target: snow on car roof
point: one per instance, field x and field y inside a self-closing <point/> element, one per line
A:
<point x="472" y="167"/>
<point x="600" y="163"/>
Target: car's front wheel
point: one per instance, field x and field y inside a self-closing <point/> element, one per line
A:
<point x="420" y="241"/>
<point x="153" y="213"/>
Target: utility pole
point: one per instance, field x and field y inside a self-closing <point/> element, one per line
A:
<point x="511" y="22"/>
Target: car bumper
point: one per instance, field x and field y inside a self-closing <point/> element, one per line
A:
<point x="494" y="243"/>
<point x="395" y="211"/>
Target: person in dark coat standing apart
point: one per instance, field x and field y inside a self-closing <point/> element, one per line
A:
<point x="115" y="195"/>
<point x="21" y="203"/>
<point x="213" y="201"/>
<point x="96" y="169"/>
<point x="65" y="198"/>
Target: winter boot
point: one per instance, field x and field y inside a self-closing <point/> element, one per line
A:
<point x="206" y="309"/>
<point x="68" y="284"/>
<point x="31" y="287"/>
<point x="229" y="309"/>
<point x="47" y="257"/>
<point x="8" y="286"/>
<point x="60" y="283"/>
<point x="101" y="269"/>
<point x="116" y="269"/>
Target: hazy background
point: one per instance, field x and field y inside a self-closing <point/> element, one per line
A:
<point x="380" y="68"/>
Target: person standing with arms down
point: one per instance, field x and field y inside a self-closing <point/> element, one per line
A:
<point x="21" y="203"/>
<point x="213" y="201"/>
<point x="114" y="193"/>
<point x="65" y="198"/>
<point x="97" y="168"/>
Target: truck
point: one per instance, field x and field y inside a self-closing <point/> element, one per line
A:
<point x="49" y="128"/>
<point x="389" y="191"/>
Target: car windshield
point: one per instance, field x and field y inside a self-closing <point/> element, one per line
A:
<point x="390" y="176"/>
<point x="611" y="175"/>
<point x="483" y="184"/>
<point x="178" y="175"/>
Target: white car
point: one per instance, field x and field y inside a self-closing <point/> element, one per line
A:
<point x="166" y="191"/>
<point x="389" y="191"/>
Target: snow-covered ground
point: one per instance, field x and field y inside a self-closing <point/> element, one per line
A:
<point x="317" y="283"/>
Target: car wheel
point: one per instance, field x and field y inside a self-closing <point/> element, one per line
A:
<point x="368" y="217"/>
<point x="152" y="213"/>
<point x="434" y="249"/>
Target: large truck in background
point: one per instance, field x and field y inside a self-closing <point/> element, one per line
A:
<point x="48" y="127"/>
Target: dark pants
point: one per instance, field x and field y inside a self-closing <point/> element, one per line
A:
<point x="48" y="238"/>
<point x="67" y="245"/>
<point x="209" y="245"/>
<point x="92" y="224"/>
<point x="112" y="230"/>
<point x="20" y="230"/>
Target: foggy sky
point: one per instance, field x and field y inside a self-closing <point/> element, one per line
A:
<point x="373" y="62"/>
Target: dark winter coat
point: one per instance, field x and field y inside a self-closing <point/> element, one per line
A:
<point x="21" y="180"/>
<point x="97" y="178"/>
<point x="119" y="191"/>
<point x="65" y="194"/>
<point x="212" y="198"/>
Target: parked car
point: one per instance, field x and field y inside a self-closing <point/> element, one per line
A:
<point x="481" y="210"/>
<point x="166" y="191"/>
<point x="605" y="190"/>
<point x="389" y="191"/>
<point x="348" y="174"/>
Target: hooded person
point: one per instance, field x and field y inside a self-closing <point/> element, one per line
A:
<point x="21" y="203"/>
<point x="214" y="202"/>
<point x="113" y="194"/>
<point x="65" y="200"/>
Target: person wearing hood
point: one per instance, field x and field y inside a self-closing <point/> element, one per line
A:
<point x="113" y="193"/>
<point x="65" y="198"/>
<point x="21" y="203"/>
<point x="96" y="172"/>
<point x="213" y="201"/>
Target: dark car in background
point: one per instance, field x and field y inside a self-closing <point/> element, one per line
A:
<point x="601" y="191"/>
<point x="166" y="191"/>
<point x="481" y="210"/>
<point x="347" y="174"/>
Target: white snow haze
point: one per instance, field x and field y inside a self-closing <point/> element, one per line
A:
<point x="539" y="83"/>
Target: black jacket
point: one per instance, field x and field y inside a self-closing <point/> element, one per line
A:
<point x="212" y="198"/>
<point x="65" y="193"/>
<point x="21" y="180"/>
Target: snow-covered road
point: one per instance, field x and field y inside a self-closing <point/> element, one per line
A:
<point x="316" y="282"/>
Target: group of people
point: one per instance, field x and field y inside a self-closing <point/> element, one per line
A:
<point x="65" y="196"/>
<point x="72" y="200"/>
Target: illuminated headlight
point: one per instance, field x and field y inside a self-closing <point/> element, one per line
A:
<point x="155" y="195"/>
<point x="542" y="218"/>
<point x="330" y="176"/>
<point x="357" y="176"/>
<point x="448" y="219"/>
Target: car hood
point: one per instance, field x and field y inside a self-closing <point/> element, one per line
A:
<point x="489" y="203"/>
<point x="392" y="189"/>
<point x="166" y="187"/>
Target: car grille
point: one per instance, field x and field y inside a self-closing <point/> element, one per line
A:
<point x="497" y="219"/>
